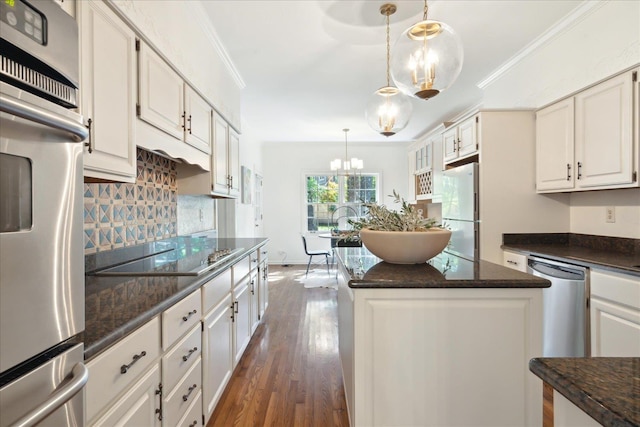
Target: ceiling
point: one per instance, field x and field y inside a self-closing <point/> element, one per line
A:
<point x="310" y="66"/>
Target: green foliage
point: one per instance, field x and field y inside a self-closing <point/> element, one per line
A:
<point x="381" y="218"/>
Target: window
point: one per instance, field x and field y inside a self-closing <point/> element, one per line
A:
<point x="331" y="199"/>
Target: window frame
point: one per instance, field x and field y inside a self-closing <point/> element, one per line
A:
<point x="341" y="195"/>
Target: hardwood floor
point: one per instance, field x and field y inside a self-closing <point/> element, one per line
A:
<point x="290" y="373"/>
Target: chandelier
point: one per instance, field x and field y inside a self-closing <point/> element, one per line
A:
<point x="388" y="110"/>
<point x="344" y="167"/>
<point x="427" y="58"/>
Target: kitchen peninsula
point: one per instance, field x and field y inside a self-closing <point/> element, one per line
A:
<point x="443" y="343"/>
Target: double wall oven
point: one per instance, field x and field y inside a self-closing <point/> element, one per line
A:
<point x="41" y="241"/>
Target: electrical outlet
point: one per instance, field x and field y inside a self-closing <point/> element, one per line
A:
<point x="610" y="215"/>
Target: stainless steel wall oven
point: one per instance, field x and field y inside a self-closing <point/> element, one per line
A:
<point x="41" y="240"/>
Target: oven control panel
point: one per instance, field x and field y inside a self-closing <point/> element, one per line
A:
<point x="24" y="19"/>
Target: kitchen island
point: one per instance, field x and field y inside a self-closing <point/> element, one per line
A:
<point x="443" y="343"/>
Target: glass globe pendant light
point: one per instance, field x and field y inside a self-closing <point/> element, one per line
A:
<point x="427" y="58"/>
<point x="388" y="110"/>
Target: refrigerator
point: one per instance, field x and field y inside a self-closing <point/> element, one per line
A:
<point x="460" y="210"/>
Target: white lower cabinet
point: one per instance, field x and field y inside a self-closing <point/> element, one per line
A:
<point x="514" y="260"/>
<point x="241" y="318"/>
<point x="178" y="400"/>
<point x="419" y="356"/>
<point x="217" y="354"/>
<point x="615" y="314"/>
<point x="116" y="370"/>
<point x="139" y="406"/>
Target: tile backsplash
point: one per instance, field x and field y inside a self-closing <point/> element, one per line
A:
<point x="122" y="214"/>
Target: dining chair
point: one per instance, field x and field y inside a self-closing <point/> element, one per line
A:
<point x="311" y="254"/>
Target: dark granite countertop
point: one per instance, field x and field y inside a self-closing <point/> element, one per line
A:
<point x="444" y="271"/>
<point x="606" y="388"/>
<point x="116" y="306"/>
<point x="610" y="253"/>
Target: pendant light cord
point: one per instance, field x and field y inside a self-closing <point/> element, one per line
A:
<point x="388" y="52"/>
<point x="426" y="9"/>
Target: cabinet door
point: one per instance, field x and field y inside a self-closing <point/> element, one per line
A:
<point x="263" y="286"/>
<point x="108" y="82"/>
<point x="554" y="147"/>
<point x="615" y="314"/>
<point x="234" y="162"/>
<point x="161" y="94"/>
<point x="242" y="319"/>
<point x="220" y="150"/>
<point x="467" y="137"/>
<point x="199" y="120"/>
<point x="138" y="406"/>
<point x="217" y="354"/>
<point x="450" y="141"/>
<point x="254" y="290"/>
<point x="604" y="133"/>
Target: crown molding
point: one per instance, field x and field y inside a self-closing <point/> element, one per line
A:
<point x="207" y="26"/>
<point x="581" y="12"/>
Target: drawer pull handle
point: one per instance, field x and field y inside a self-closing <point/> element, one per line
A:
<point x="188" y="355"/>
<point x="189" y="314"/>
<point x="236" y="305"/>
<point x="512" y="262"/>
<point x="136" y="357"/>
<point x="185" y="397"/>
<point x="194" y="423"/>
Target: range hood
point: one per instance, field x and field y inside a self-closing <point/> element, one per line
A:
<point x="153" y="139"/>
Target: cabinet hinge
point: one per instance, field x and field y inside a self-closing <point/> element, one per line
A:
<point x="202" y="419"/>
<point x="477" y="119"/>
<point x="137" y="45"/>
<point x="138" y="110"/>
<point x="202" y="326"/>
<point x="634" y="76"/>
<point x="635" y="176"/>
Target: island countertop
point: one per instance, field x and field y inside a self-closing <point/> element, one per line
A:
<point x="606" y="388"/>
<point x="365" y="270"/>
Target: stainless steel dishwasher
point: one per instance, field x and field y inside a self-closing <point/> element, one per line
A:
<point x="565" y="307"/>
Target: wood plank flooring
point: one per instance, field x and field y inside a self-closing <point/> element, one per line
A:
<point x="290" y="373"/>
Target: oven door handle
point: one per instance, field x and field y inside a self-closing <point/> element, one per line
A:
<point x="33" y="113"/>
<point x="80" y="375"/>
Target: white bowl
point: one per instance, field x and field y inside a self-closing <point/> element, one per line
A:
<point x="405" y="247"/>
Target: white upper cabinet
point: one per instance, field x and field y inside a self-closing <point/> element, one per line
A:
<point x="161" y="94"/>
<point x="604" y="133"/>
<point x="590" y="141"/>
<point x="199" y="117"/>
<point x="226" y="159"/>
<point x="108" y="82"/>
<point x="171" y="105"/>
<point x="234" y="163"/>
<point x="554" y="146"/>
<point x="461" y="140"/>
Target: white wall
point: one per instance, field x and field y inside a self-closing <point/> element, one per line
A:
<point x="603" y="41"/>
<point x="284" y="167"/>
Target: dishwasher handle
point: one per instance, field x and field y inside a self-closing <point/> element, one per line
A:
<point x="556" y="271"/>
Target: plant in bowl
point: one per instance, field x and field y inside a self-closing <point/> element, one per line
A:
<point x="400" y="237"/>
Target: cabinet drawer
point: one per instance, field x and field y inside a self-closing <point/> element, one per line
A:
<point x="138" y="405"/>
<point x="263" y="253"/>
<point x="241" y="269"/>
<point x="620" y="288"/>
<point x="515" y="261"/>
<point x="215" y="290"/>
<point x="253" y="260"/>
<point x="176" y="362"/>
<point x="193" y="417"/>
<point x="180" y="318"/>
<point x="180" y="398"/>
<point x="116" y="369"/>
